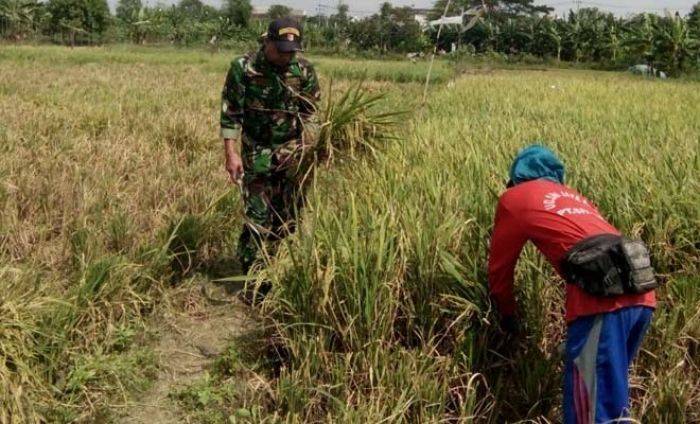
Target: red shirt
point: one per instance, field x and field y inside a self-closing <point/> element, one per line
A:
<point x="554" y="217"/>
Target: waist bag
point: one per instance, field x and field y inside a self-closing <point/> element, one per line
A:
<point x="610" y="265"/>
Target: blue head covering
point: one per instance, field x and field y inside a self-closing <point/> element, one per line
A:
<point x="536" y="162"/>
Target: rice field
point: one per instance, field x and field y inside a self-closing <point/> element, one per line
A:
<point x="114" y="199"/>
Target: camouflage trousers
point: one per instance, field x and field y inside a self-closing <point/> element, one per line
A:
<point x="273" y="195"/>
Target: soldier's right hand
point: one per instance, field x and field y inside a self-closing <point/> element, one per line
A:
<point x="234" y="167"/>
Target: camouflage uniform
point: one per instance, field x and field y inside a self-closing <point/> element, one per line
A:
<point x="268" y="108"/>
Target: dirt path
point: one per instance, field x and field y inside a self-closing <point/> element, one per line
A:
<point x="191" y="337"/>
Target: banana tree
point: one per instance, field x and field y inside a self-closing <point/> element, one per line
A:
<point x="217" y="30"/>
<point x="613" y="42"/>
<point x="548" y="38"/>
<point x="138" y="26"/>
<point x="639" y="38"/>
<point x="575" y="38"/>
<point x="20" y="17"/>
<point x="491" y="35"/>
<point x="514" y="36"/>
<point x="177" y="25"/>
<point x="673" y="44"/>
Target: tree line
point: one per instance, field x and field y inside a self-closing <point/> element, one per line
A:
<point x="515" y="28"/>
<point x="669" y="42"/>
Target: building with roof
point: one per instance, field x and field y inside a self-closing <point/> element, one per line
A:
<point x="421" y="16"/>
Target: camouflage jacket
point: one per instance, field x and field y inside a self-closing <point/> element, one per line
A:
<point x="268" y="105"/>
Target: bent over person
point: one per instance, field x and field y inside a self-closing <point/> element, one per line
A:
<point x="609" y="290"/>
<point x="268" y="101"/>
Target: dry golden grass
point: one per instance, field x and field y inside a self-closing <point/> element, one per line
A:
<point x="110" y="165"/>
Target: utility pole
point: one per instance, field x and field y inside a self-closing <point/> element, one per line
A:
<point x="320" y="13"/>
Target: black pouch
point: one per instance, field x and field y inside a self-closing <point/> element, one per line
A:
<point x="610" y="265"/>
<point x="594" y="265"/>
<point x="640" y="274"/>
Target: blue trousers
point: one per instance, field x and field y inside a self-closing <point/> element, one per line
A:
<point x="599" y="351"/>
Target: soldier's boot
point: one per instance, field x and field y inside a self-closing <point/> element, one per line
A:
<point x="247" y="250"/>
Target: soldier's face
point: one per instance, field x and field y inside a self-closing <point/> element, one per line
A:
<point x="275" y="56"/>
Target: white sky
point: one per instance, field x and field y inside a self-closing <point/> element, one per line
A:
<point x="619" y="7"/>
<point x="367" y="7"/>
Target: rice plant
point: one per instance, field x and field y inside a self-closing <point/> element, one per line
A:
<point x="388" y="269"/>
<point x="380" y="310"/>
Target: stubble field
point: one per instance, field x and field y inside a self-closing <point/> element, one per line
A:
<point x="115" y="208"/>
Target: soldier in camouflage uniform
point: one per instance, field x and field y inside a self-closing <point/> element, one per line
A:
<point x="269" y="104"/>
